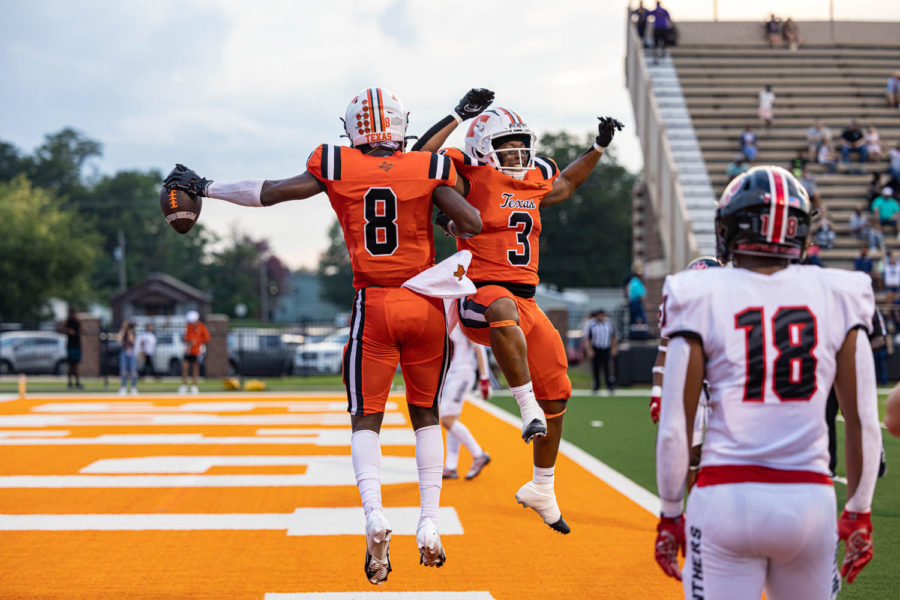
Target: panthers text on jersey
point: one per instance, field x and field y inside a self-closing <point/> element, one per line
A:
<point x="770" y="343"/>
<point x="507" y="247"/>
<point x="383" y="204"/>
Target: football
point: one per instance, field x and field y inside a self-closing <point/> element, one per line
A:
<point x="179" y="208"/>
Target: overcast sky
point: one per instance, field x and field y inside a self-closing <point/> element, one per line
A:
<point x="239" y="89"/>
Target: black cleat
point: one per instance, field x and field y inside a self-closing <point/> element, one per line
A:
<point x="536" y="428"/>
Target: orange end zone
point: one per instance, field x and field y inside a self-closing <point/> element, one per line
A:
<point x="244" y="547"/>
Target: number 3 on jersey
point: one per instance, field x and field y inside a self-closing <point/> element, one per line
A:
<point x="380" y="206"/>
<point x="794" y="375"/>
<point x="522" y="223"/>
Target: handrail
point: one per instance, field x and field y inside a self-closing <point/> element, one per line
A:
<point x="660" y="173"/>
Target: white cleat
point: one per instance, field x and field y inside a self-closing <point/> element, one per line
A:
<point x="123" y="391"/>
<point x="378" y="543"/>
<point x="194" y="390"/>
<point x="534" y="423"/>
<point x="542" y="500"/>
<point x="134" y="391"/>
<point x="431" y="552"/>
<point x="182" y="389"/>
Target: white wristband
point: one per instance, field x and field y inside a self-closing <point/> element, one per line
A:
<point x="599" y="148"/>
<point x="656" y="391"/>
<point x="658" y="369"/>
<point x="456" y="116"/>
<point x="243" y="193"/>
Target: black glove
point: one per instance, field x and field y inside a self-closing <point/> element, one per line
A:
<point x="443" y="221"/>
<point x="186" y="180"/>
<point x="474" y="103"/>
<point x="606" y="130"/>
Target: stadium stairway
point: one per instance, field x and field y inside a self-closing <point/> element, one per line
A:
<point x="834" y="82"/>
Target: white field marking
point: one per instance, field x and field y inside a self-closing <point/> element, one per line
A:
<point x="841" y="419"/>
<point x="198" y="407"/>
<point x="599" y="469"/>
<point x="31" y="434"/>
<point x="380" y="595"/>
<point x="202" y="464"/>
<point x="155" y="420"/>
<point x="216" y="396"/>
<point x="301" y="522"/>
<point x="596" y="423"/>
<point x="321" y="471"/>
<point x="841" y="480"/>
<point x="390" y="436"/>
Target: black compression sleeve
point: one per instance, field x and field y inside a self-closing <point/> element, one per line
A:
<point x="431" y="132"/>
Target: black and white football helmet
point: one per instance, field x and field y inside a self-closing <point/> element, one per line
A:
<point x="764" y="212"/>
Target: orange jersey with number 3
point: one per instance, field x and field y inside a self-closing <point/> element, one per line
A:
<point x="507" y="247"/>
<point x="383" y="204"/>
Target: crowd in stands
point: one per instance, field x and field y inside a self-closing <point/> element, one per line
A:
<point x="780" y="33"/>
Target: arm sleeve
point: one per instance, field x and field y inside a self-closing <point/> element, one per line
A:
<point x="671" y="442"/>
<point x="867" y="405"/>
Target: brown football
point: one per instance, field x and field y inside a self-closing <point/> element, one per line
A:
<point x="179" y="208"/>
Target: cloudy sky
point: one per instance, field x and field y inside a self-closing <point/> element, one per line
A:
<point x="238" y="89"/>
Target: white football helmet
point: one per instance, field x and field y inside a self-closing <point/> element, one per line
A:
<point x="376" y="115"/>
<point x="497" y="126"/>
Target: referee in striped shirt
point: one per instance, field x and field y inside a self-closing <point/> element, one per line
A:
<point x="600" y="346"/>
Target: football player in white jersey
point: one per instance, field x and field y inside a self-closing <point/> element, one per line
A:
<point x="771" y="337"/>
<point x="467" y="358"/>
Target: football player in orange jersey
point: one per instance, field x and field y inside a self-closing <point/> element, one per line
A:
<point x="501" y="176"/>
<point x="383" y="199"/>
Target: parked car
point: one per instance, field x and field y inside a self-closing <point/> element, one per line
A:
<point x="322" y="357"/>
<point x="169" y="353"/>
<point x="32" y="352"/>
<point x="259" y="352"/>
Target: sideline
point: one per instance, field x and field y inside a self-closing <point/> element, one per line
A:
<point x="619" y="482"/>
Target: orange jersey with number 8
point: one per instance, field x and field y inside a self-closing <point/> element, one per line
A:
<point x="507" y="248"/>
<point x="383" y="204"/>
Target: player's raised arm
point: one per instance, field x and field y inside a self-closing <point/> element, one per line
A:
<point x="457" y="217"/>
<point x="579" y="170"/>
<point x="470" y="105"/>
<point x="857" y="396"/>
<point x="248" y="192"/>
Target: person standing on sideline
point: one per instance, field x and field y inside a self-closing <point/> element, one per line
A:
<point x="600" y="346"/>
<point x="196" y="335"/>
<point x="146" y="344"/>
<point x="771" y="337"/>
<point x="636" y="292"/>
<point x="766" y="107"/>
<point x="468" y="359"/>
<point x="384" y="197"/>
<point x="71" y="327"/>
<point x="128" y="358"/>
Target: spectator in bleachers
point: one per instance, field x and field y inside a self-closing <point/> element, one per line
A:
<point x="798" y="164"/>
<point x="662" y="29"/>
<point x="748" y="143"/>
<point x="864" y="264"/>
<point x="791" y="34"/>
<point x="766" y="107"/>
<point x="874" y="189"/>
<point x="809" y="183"/>
<point x="891" y="276"/>
<point x="861" y="228"/>
<point x="853" y="140"/>
<point x="873" y="143"/>
<point x="826" y="156"/>
<point x="639" y="17"/>
<point x="892" y="90"/>
<point x="886" y="209"/>
<point x="824" y="234"/>
<point x="773" y="31"/>
<point x="894" y="156"/>
<point x="815" y="136"/>
<point x="737" y="165"/>
<point x="812" y="257"/>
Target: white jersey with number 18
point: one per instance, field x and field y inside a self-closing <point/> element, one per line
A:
<point x="770" y="343"/>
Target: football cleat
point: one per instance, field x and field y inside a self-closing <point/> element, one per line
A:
<point x="542" y="500"/>
<point x="534" y="423"/>
<point x="378" y="542"/>
<point x="431" y="552"/>
<point x="477" y="465"/>
<point x="450" y="474"/>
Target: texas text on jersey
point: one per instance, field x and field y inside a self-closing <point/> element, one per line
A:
<point x="507" y="248"/>
<point x="381" y="203"/>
